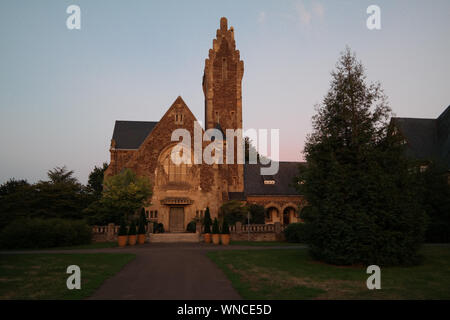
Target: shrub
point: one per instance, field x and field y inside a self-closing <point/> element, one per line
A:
<point x="233" y="211"/>
<point x="44" y="233"/>
<point x="225" y="228"/>
<point x="123" y="228"/>
<point x="191" y="227"/>
<point x="132" y="229"/>
<point x="158" y="228"/>
<point x="215" y="228"/>
<point x="207" y="221"/>
<point x="296" y="232"/>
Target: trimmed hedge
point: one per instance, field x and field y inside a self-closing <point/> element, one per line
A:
<point x="44" y="233"/>
<point x="296" y="232"/>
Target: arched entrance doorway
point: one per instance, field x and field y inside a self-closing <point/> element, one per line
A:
<point x="288" y="215"/>
<point x="271" y="213"/>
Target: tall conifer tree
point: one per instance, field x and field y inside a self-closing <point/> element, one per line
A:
<point x="360" y="187"/>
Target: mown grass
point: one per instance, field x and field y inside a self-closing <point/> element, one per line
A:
<point x="94" y="245"/>
<point x="264" y="243"/>
<point x="292" y="274"/>
<point x="43" y="276"/>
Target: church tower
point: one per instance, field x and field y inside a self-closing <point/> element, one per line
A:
<point x="222" y="87"/>
<point x="222" y="81"/>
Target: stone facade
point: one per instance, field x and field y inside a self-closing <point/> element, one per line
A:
<point x="182" y="193"/>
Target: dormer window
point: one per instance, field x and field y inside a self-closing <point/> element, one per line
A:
<point x="268" y="180"/>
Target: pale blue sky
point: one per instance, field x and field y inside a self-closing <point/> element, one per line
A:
<point x="62" y="90"/>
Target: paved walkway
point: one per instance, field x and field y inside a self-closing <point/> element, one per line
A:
<point x="166" y="271"/>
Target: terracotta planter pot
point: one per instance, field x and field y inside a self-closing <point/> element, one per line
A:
<point x="207" y="237"/>
<point x="122" y="241"/>
<point x="132" y="240"/>
<point x="225" y="239"/>
<point x="141" y="238"/>
<point x="215" y="238"/>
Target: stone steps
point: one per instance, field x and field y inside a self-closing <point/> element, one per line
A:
<point x="174" y="237"/>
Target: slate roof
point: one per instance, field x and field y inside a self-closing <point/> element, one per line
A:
<point x="284" y="184"/>
<point x="131" y="134"/>
<point x="427" y="139"/>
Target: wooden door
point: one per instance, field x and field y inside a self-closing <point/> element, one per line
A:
<point x="176" y="223"/>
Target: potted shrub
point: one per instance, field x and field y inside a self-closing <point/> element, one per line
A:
<point x="215" y="232"/>
<point x="158" y="228"/>
<point x="225" y="235"/>
<point x="207" y="226"/>
<point x="192" y="226"/>
<point x="132" y="233"/>
<point x="122" y="237"/>
<point x="141" y="228"/>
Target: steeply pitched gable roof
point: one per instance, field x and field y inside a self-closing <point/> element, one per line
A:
<point x="427" y="139"/>
<point x="131" y="134"/>
<point x="284" y="179"/>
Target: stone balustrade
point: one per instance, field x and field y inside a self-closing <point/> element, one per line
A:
<point x="240" y="231"/>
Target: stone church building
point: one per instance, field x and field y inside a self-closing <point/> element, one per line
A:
<point x="182" y="192"/>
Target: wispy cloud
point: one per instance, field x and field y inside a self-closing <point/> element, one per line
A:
<point x="318" y="10"/>
<point x="303" y="13"/>
<point x="262" y="17"/>
<point x="307" y="14"/>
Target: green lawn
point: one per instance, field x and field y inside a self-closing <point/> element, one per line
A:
<point x="292" y="274"/>
<point x="43" y="276"/>
<point x="94" y="245"/>
<point x="264" y="243"/>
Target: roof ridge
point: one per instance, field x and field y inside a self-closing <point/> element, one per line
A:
<point x="135" y="121"/>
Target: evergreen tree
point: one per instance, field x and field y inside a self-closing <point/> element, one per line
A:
<point x="207" y="221"/>
<point x="361" y="189"/>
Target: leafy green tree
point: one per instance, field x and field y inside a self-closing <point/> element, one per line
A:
<point x="257" y="214"/>
<point x="126" y="192"/>
<point x="12" y="186"/>
<point x="357" y="181"/>
<point x="95" y="180"/>
<point x="233" y="211"/>
<point x="61" y="196"/>
<point x="16" y="198"/>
